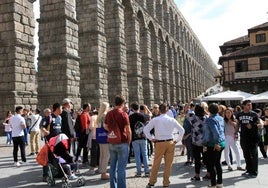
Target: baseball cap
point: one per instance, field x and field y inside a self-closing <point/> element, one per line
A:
<point x="66" y="100"/>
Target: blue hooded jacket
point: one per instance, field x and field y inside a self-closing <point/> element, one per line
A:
<point x="213" y="131"/>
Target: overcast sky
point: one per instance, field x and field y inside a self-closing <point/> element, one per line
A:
<point x="217" y="21"/>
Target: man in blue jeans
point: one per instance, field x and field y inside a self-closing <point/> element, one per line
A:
<point x="118" y="151"/>
<point x="139" y="141"/>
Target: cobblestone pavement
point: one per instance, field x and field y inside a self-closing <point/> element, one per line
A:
<point x="31" y="175"/>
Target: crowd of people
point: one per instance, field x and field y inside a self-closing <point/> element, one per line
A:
<point x="135" y="130"/>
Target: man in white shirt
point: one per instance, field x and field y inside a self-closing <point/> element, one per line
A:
<point x="18" y="125"/>
<point x="164" y="143"/>
<point x="35" y="132"/>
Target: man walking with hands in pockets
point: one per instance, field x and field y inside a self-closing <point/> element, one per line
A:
<point x="164" y="143"/>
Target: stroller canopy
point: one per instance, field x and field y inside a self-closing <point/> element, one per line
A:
<point x="61" y="138"/>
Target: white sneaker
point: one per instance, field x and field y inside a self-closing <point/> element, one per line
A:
<point x="72" y="177"/>
<point x="25" y="163"/>
<point x="17" y="164"/>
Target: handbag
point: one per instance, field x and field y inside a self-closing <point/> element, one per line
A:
<point x="101" y="134"/>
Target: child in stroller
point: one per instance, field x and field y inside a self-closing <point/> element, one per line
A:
<point x="60" y="162"/>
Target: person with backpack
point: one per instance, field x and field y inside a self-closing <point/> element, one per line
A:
<point x="139" y="143"/>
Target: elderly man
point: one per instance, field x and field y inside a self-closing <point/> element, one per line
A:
<point x="67" y="121"/>
<point x="163" y="126"/>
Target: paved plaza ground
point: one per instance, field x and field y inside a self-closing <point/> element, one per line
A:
<point x="31" y="175"/>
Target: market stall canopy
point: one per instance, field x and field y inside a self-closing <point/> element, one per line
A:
<point x="259" y="98"/>
<point x="228" y="96"/>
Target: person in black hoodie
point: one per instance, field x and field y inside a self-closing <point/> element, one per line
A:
<point x="249" y="138"/>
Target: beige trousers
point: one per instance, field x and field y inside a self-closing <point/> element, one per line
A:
<point x="34" y="141"/>
<point x="166" y="150"/>
<point x="104" y="157"/>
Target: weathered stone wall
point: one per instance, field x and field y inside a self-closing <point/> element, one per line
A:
<point x="17" y="71"/>
<point x="91" y="50"/>
<point x="58" y="60"/>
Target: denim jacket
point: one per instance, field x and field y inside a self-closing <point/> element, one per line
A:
<point x="213" y="131"/>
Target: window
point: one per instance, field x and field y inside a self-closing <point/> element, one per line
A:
<point x="241" y="66"/>
<point x="264" y="63"/>
<point x="260" y="38"/>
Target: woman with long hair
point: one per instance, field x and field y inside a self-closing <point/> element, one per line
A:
<point x="231" y="137"/>
<point x="8" y="128"/>
<point x="104" y="148"/>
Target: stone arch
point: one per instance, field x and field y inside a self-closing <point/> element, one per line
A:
<point x="58" y="60"/>
<point x="170" y="67"/>
<point x="179" y="70"/>
<point x="141" y="3"/>
<point x="166" y="15"/>
<point x="141" y="28"/>
<point x="163" y="60"/>
<point x="191" y="77"/>
<point x="159" y="12"/>
<point x="183" y="75"/>
<point x="146" y="60"/>
<point x="157" y="68"/>
<point x="186" y="76"/>
<point x="150" y="5"/>
<point x="153" y="41"/>
<point x="116" y="46"/>
<point x="187" y="41"/>
<point x="172" y="22"/>
<point x="175" y="71"/>
<point x="191" y="45"/>
<point x="176" y="29"/>
<point x="111" y="56"/>
<point x="133" y="55"/>
<point x="181" y="31"/>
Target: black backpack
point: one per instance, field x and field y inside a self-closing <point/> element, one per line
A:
<point x="77" y="125"/>
<point x="138" y="130"/>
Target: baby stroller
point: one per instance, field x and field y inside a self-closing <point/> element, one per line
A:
<point x="60" y="163"/>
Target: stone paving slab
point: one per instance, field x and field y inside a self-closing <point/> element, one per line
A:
<point x="31" y="175"/>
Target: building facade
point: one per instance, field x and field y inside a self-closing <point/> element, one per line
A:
<point x="91" y="50"/>
<point x="245" y="61"/>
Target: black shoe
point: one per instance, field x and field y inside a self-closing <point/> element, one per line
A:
<point x="245" y="173"/>
<point x="149" y="185"/>
<point x="206" y="177"/>
<point x="188" y="163"/>
<point x="251" y="175"/>
<point x="31" y="154"/>
<point x="195" y="178"/>
<point x="44" y="178"/>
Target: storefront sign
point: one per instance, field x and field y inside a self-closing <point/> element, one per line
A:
<point x="251" y="74"/>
